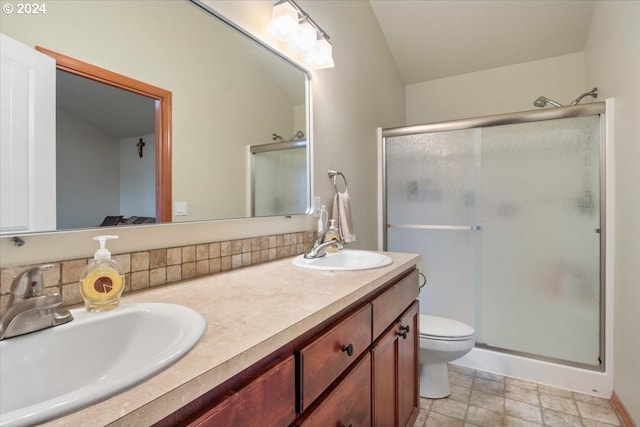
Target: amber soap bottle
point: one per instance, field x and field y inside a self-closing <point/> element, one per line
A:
<point x="102" y="281"/>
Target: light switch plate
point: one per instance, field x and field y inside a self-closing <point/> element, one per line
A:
<point x="180" y="208"/>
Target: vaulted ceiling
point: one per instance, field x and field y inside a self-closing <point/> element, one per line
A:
<point x="431" y="39"/>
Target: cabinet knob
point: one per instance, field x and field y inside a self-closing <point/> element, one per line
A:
<point x="348" y="349"/>
<point x="344" y="425"/>
<point x="404" y="330"/>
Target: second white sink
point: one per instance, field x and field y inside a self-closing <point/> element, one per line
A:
<point x="51" y="372"/>
<point x="344" y="260"/>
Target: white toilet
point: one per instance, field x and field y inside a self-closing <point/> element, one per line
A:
<point x="441" y="341"/>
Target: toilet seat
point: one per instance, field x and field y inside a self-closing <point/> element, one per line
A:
<point x="443" y="329"/>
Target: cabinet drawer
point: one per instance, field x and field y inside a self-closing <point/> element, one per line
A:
<point x="349" y="404"/>
<point x="390" y="304"/>
<point x="319" y="363"/>
<point x="266" y="401"/>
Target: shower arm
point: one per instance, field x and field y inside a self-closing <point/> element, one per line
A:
<point x="554" y="103"/>
<point x="593" y="92"/>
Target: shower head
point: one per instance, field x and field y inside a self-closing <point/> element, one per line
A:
<point x="542" y="101"/>
<point x="593" y="92"/>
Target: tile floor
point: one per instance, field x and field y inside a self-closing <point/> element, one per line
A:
<point x="481" y="399"/>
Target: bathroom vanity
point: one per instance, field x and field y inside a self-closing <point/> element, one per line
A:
<point x="285" y="347"/>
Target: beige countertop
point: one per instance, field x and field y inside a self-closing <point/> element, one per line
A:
<point x="250" y="312"/>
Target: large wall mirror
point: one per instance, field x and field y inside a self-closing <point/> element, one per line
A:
<point x="230" y="95"/>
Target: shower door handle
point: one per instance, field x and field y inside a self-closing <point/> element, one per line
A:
<point x="437" y="227"/>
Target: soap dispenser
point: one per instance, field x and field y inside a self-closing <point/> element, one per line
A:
<point x="102" y="281"/>
<point x="333" y="234"/>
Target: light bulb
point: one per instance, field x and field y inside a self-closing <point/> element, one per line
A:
<point x="284" y="21"/>
<point x="321" y="55"/>
<point x="304" y="38"/>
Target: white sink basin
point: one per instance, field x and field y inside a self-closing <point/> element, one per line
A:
<point x="58" y="370"/>
<point x="346" y="259"/>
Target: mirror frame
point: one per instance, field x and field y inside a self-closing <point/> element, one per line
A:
<point x="162" y="99"/>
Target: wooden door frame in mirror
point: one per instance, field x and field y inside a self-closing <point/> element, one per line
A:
<point x="163" y="119"/>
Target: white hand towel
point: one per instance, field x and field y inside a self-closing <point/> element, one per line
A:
<point x="342" y="215"/>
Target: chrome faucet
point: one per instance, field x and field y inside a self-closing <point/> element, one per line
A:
<point x="29" y="309"/>
<point x="320" y="249"/>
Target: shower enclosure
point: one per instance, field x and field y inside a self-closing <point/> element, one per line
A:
<point x="508" y="214"/>
<point x="279" y="182"/>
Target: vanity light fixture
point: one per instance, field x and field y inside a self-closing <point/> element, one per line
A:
<point x="293" y="25"/>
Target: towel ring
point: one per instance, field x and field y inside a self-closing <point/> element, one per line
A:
<point x="334" y="174"/>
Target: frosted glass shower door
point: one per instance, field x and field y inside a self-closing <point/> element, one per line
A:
<point x="540" y="241"/>
<point x="280" y="182"/>
<point x="431" y="208"/>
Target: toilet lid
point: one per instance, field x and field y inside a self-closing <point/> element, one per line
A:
<point x="434" y="326"/>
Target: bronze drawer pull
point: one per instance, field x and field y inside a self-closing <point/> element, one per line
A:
<point x="404" y="330"/>
<point x="348" y="349"/>
<point x="344" y="425"/>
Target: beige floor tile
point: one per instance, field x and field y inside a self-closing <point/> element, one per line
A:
<point x="555" y="391"/>
<point x="484" y="418"/>
<point x="560" y="419"/>
<point x="461" y="369"/>
<point x="488" y="386"/>
<point x="488" y="401"/>
<point x="438" y="420"/>
<point x="598" y="413"/>
<point x="480" y="399"/>
<point x="510" y="421"/>
<point x="461" y="379"/>
<point x="521" y="383"/>
<point x="558" y="403"/>
<point x="425" y="404"/>
<point x="422" y="417"/>
<point x="522" y="394"/>
<point x="450" y="408"/>
<point x="591" y="423"/>
<point x="459" y="393"/>
<point x="523" y="410"/>
<point x="594" y="400"/>
<point x="490" y="376"/>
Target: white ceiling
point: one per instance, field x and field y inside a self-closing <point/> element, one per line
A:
<point x="431" y="39"/>
<point x="116" y="112"/>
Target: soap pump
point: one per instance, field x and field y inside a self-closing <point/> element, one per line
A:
<point x="102" y="281"/>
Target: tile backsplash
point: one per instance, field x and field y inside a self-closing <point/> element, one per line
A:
<point x="157" y="267"/>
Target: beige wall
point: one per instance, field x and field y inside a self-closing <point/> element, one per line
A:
<point x="499" y="90"/>
<point x="362" y="92"/>
<point x="612" y="58"/>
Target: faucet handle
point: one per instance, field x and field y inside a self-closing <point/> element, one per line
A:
<point x="29" y="283"/>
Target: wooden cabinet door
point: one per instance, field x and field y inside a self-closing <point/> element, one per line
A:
<point x="268" y="401"/>
<point x="408" y="348"/>
<point x="385" y="379"/>
<point x="348" y="404"/>
<point x="395" y="373"/>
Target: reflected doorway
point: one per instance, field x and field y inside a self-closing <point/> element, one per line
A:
<point x="114" y="152"/>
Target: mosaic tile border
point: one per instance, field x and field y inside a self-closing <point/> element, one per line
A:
<point x="158" y="267"/>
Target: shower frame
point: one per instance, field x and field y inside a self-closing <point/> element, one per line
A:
<point x="266" y="148"/>
<point x="580" y="110"/>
